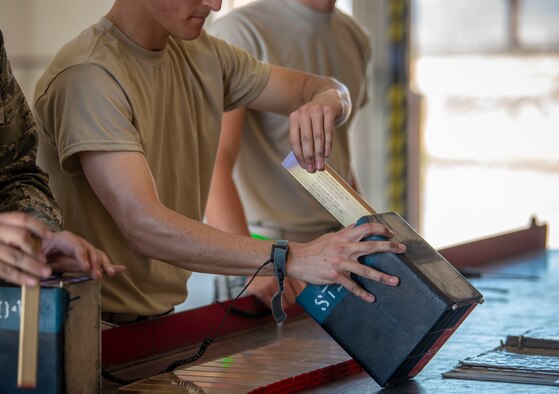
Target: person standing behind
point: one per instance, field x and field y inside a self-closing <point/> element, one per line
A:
<point x="31" y="241"/>
<point x="249" y="184"/>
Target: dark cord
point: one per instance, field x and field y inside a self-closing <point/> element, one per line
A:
<point x="194" y="356"/>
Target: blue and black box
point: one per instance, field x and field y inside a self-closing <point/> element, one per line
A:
<point x="69" y="337"/>
<point x="394" y="338"/>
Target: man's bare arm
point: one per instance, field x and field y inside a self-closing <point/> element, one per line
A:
<point x="123" y="183"/>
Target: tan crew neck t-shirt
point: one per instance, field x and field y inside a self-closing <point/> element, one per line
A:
<point x="102" y="92"/>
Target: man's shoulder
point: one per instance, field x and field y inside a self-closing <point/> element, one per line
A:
<point x="88" y="47"/>
<point x="80" y="48"/>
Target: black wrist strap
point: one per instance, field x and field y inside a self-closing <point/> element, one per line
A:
<point x="279" y="258"/>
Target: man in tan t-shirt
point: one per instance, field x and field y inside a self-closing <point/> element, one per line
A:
<point x="130" y="114"/>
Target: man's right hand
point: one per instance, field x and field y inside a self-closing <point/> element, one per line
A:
<point x="331" y="258"/>
<point x="21" y="259"/>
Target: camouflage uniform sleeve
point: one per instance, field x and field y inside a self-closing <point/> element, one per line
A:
<point x="23" y="185"/>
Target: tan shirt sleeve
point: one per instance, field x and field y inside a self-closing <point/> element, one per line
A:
<point x="245" y="77"/>
<point x="85" y="109"/>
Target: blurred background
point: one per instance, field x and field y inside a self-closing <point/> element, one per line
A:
<point x="462" y="134"/>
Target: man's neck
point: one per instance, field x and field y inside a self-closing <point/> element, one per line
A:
<point x="137" y="23"/>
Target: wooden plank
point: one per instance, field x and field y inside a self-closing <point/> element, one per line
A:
<point x="331" y="190"/>
<point x="133" y="342"/>
<point x="28" y="337"/>
<point x="29" y="331"/>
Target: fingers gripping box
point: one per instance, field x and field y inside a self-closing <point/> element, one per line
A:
<point x="396" y="336"/>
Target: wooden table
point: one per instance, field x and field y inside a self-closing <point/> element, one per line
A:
<point x="521" y="292"/>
